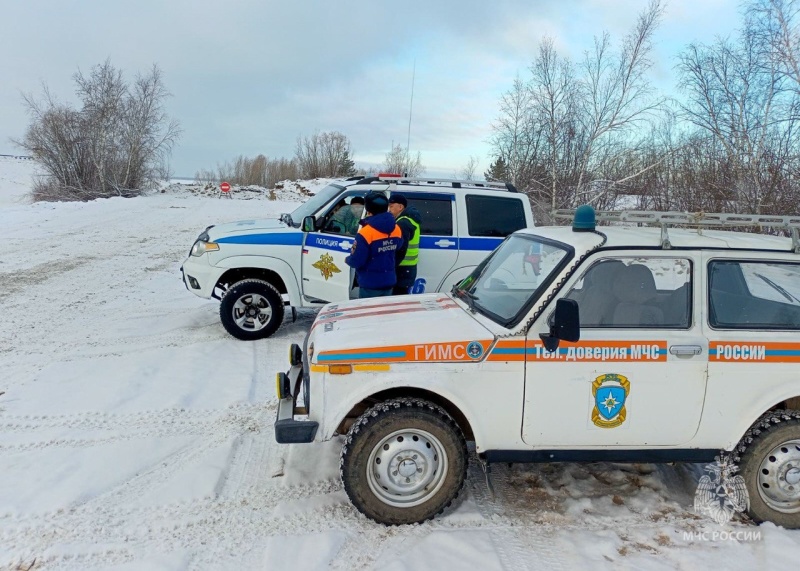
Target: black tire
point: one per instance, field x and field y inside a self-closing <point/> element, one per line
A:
<point x="251" y="309"/>
<point x="766" y="457"/>
<point x="428" y="430"/>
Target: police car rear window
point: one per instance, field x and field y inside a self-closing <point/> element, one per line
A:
<point x="494" y="216"/>
<point x="436" y="212"/>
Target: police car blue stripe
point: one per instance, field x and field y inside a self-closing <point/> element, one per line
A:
<point x="487" y="244"/>
<point x="328" y="242"/>
<point x="430" y="242"/>
<point x="277" y="238"/>
<point x="362" y="356"/>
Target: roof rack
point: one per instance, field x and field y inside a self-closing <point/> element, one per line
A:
<point x="453" y="182"/>
<point x="698" y="219"/>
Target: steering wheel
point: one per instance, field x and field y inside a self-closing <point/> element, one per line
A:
<point x="496" y="284"/>
<point x="335" y="227"/>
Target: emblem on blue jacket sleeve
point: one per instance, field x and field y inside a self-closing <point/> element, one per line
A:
<point x="326" y="266"/>
<point x="610" y="393"/>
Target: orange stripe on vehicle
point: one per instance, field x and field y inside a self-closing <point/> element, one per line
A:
<point x="457" y="351"/>
<point x="753" y="352"/>
<point x="585" y="351"/>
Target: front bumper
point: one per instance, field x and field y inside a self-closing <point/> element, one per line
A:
<point x="196" y="271"/>
<point x="289" y="430"/>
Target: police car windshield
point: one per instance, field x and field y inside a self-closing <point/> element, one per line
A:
<point x="314" y="203"/>
<point x="502" y="286"/>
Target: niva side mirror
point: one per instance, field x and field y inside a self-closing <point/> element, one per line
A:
<point x="566" y="325"/>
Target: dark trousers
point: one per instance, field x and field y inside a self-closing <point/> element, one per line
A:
<point x="366" y="292"/>
<point x="406" y="275"/>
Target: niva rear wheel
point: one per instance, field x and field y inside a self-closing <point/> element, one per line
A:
<point x="769" y="462"/>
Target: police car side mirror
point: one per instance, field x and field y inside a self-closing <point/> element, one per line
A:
<point x="566" y="325"/>
<point x="309" y="224"/>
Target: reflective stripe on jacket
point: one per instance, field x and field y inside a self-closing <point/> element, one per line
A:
<point x="412" y="248"/>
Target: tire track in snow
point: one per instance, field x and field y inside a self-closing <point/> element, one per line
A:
<point x="144" y="424"/>
<point x="536" y="551"/>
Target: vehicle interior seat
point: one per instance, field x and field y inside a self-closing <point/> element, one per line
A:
<point x="635" y="288"/>
<point x="596" y="301"/>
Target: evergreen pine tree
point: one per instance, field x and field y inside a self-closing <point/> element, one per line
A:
<point x="346" y="165"/>
<point x="498" y="171"/>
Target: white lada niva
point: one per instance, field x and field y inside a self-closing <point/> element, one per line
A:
<point x="616" y="343"/>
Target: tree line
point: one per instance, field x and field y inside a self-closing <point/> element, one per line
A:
<point x="322" y="155"/>
<point x="595" y="129"/>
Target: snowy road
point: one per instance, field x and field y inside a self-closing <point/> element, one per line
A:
<point x="135" y="434"/>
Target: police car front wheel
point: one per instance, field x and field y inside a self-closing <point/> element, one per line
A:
<point x="404" y="461"/>
<point x="251" y="309"/>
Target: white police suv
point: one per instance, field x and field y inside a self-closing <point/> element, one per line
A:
<point x="615" y="343"/>
<point x="256" y="267"/>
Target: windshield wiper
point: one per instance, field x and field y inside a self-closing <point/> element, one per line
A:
<point x="468" y="297"/>
<point x="778" y="288"/>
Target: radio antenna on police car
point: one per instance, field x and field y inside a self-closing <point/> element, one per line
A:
<point x="411" y="108"/>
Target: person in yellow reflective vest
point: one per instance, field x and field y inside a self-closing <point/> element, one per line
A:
<point x="409" y="220"/>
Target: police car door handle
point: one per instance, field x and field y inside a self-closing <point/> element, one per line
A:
<point x="683" y="350"/>
<point x="444" y="243"/>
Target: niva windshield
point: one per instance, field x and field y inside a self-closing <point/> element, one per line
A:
<point x="314" y="203"/>
<point x="505" y="285"/>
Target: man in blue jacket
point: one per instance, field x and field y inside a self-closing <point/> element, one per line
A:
<point x="375" y="248"/>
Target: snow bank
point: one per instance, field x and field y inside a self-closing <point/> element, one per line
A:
<point x="136" y="434"/>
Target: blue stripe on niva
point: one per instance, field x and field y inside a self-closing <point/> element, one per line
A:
<point x="274" y="238"/>
<point x="362" y="356"/>
<point x="508" y="351"/>
<point x="783" y="352"/>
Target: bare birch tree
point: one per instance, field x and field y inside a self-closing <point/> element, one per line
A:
<point x="116" y="144"/>
<point x="569" y="126"/>
<point x="399" y="161"/>
<point x="737" y="94"/>
<point x="325" y="154"/>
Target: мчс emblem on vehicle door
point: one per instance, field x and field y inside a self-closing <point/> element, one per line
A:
<point x="610" y="393"/>
<point x="326" y="266"/>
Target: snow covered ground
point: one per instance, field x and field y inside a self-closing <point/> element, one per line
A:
<point x="136" y="434"/>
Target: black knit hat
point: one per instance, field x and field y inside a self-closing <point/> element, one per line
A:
<point x="376" y="203"/>
<point x="398" y="199"/>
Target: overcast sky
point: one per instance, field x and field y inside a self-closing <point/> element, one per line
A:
<point x="249" y="77"/>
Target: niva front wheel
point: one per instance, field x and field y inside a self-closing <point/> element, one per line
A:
<point x="404" y="461"/>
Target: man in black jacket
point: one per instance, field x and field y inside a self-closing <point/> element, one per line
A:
<point x="409" y="220"/>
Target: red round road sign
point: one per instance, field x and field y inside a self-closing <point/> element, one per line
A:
<point x="225" y="187"/>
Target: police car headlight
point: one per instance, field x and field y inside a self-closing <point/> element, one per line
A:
<point x="201" y="247"/>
